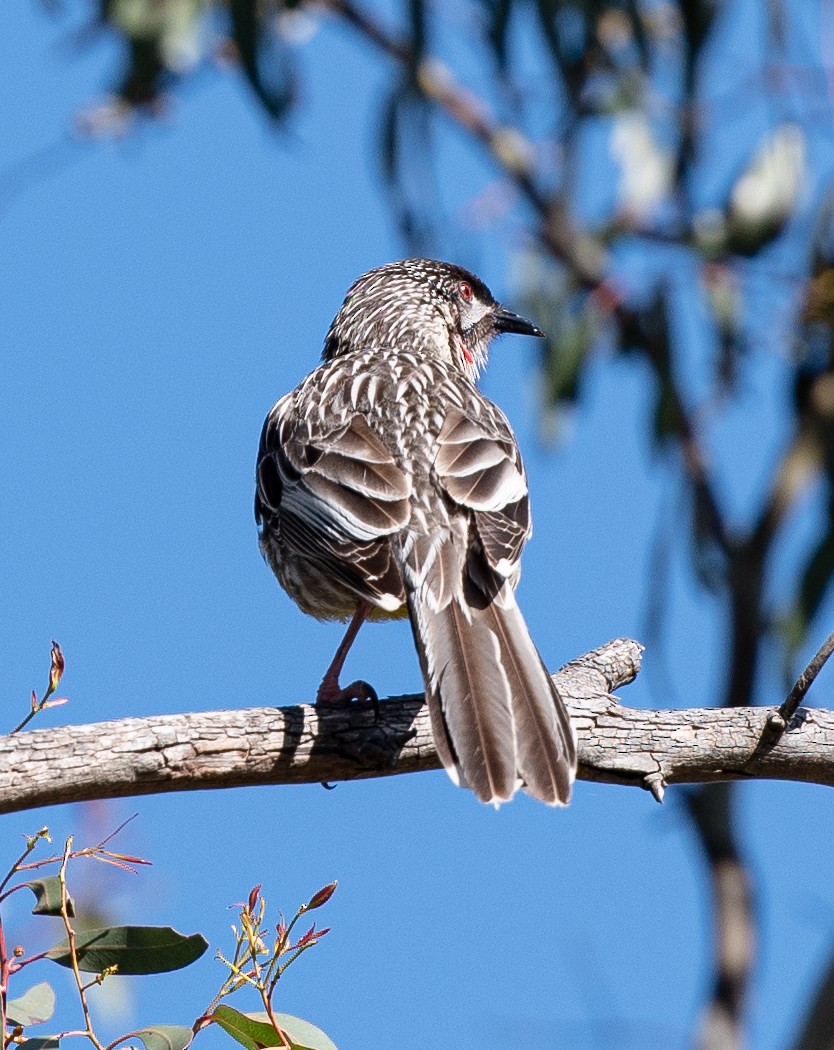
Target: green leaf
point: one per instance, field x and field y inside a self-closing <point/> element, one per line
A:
<point x="254" y="1032"/>
<point x="165" y="1037"/>
<point x="33" y="1007"/>
<point x="243" y="1028"/>
<point x="305" y="1036"/>
<point x="133" y="949"/>
<point x="46" y="1042"/>
<point x="47" y="892"/>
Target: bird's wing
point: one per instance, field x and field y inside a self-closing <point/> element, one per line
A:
<point x="336" y="494"/>
<point x="479" y="466"/>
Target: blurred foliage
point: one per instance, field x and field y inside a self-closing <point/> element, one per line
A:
<point x="646" y="110"/>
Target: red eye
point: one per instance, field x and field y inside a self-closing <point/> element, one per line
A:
<point x="465" y="290"/>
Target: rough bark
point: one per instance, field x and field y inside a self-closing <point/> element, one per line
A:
<point x="305" y="744"/>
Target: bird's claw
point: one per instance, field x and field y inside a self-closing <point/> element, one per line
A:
<point x="333" y="693"/>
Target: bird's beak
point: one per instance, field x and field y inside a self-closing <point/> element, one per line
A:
<point x="507" y="321"/>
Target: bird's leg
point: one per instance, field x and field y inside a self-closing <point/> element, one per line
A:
<point x="330" y="692"/>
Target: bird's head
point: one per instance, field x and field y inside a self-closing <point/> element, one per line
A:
<point x="426" y="307"/>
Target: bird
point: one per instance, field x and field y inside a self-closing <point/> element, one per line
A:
<point x="388" y="486"/>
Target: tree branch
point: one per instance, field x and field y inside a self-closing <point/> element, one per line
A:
<point x="305" y="744"/>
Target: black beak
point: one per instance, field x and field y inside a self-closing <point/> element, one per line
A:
<point x="507" y="321"/>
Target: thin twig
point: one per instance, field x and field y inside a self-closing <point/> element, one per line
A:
<point x="4" y="980"/>
<point x="795" y="697"/>
<point x="73" y="953"/>
<point x="31" y="844"/>
<point x="6" y="967"/>
<point x="112" y="835"/>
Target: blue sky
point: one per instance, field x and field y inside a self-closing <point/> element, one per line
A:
<point x="159" y="293"/>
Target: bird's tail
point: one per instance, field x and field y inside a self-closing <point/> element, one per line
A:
<point x="498" y="720"/>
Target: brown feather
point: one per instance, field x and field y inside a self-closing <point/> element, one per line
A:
<point x="497" y="719"/>
<point x="546" y="752"/>
<point x="468" y="699"/>
<point x="502" y="536"/>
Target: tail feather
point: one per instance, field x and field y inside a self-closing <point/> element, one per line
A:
<point x="469" y="701"/>
<point x="546" y="750"/>
<point x="498" y="720"/>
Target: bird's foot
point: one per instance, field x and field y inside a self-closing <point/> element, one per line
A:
<point x="330" y="692"/>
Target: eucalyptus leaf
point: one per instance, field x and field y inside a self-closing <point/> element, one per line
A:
<point x="305" y="1036"/>
<point x="133" y="949"/>
<point x="245" y="1029"/>
<point x="255" y="1032"/>
<point x="165" y="1037"/>
<point x="264" y="57"/>
<point x="33" y="1007"/>
<point x="47" y="891"/>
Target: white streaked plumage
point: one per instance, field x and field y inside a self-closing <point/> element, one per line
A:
<point x="387" y="482"/>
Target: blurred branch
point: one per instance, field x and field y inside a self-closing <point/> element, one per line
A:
<point x="721" y="1025"/>
<point x="305" y="744"/>
<point x="817" y="1031"/>
<point x="506" y="144"/>
<point x="654" y="339"/>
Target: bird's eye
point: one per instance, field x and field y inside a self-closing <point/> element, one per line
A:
<point x="465" y="290"/>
